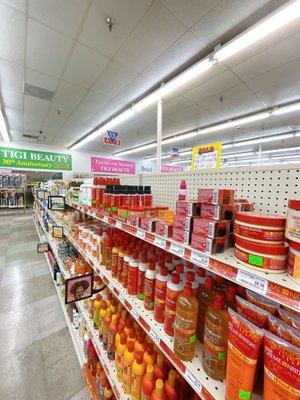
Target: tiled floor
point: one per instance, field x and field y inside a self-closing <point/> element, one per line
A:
<point x="37" y="358"/>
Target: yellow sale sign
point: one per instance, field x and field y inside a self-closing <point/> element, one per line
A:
<point x="207" y="156"/>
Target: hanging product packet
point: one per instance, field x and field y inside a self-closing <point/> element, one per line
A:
<point x="283" y="331"/>
<point x="252" y="313"/>
<point x="262" y="302"/>
<point x="289" y="318"/>
<point x="281" y="369"/>
<point x="244" y="342"/>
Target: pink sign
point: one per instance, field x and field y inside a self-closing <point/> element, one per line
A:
<point x="171" y="168"/>
<point x="112" y="166"/>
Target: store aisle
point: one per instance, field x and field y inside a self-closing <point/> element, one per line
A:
<point x="37" y="357"/>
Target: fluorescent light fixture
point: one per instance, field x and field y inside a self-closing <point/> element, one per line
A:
<point x="263" y="140"/>
<point x="237" y="155"/>
<point x="287" y="149"/>
<point x="179" y="138"/>
<point x="271" y="23"/>
<point x="286" y="109"/>
<point x="117" y="120"/>
<point x="285" y="157"/>
<point x="182" y="161"/>
<point x="3" y="128"/>
<point x="136" y="149"/>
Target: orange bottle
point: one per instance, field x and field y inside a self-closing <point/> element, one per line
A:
<point x="121" y="347"/>
<point x="170" y="386"/>
<point x="103" y="384"/>
<point x="138" y="371"/>
<point x="118" y="334"/>
<point x="158" y="393"/>
<point x="148" y="383"/>
<point x="128" y="325"/>
<point x="160" y="294"/>
<point x="131" y="336"/>
<point x="206" y="297"/>
<point x="215" y="339"/>
<point x="140" y="344"/>
<point x="106" y="323"/>
<point x="102" y="315"/>
<point x="186" y="324"/>
<point x="149" y="355"/>
<point x="160" y="369"/>
<point x="96" y="309"/>
<point x="231" y="297"/>
<point x="111" y="339"/>
<point x="128" y="358"/>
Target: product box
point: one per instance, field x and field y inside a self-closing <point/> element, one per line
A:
<point x="181" y="235"/>
<point x="217" y="212"/>
<point x="209" y="245"/>
<point x="148" y="224"/>
<point x="243" y="207"/>
<point x="210" y="228"/>
<point x="134" y="220"/>
<point x="215" y="196"/>
<point x="190" y="208"/>
<point x="183" y="222"/>
<point x="164" y="229"/>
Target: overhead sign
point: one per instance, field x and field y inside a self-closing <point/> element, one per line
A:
<point x="112" y="138"/>
<point x="112" y="166"/>
<point x="34" y="159"/>
<point x="207" y="156"/>
<point x="174" y="152"/>
<point x="171" y="168"/>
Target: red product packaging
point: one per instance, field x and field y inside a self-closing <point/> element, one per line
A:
<point x="191" y="207"/>
<point x="148" y="224"/>
<point x="134" y="220"/>
<point x="163" y="229"/>
<point x="181" y="235"/>
<point x="183" y="222"/>
<point x="217" y="212"/>
<point x="210" y="228"/>
<point x="209" y="245"/>
<point x="216" y="196"/>
<point x="243" y="207"/>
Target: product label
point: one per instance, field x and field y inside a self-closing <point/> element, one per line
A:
<point x="255" y="260"/>
<point x="192" y="380"/>
<point x="149" y="293"/>
<point x="141" y="234"/>
<point x="199" y="259"/>
<point x="119" y="224"/>
<point x="160" y="242"/>
<point x="267" y="235"/>
<point x="154" y="336"/>
<point x="160" y="296"/>
<point x="253" y="282"/>
<point x="177" y="249"/>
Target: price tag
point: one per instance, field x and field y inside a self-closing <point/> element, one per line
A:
<point x="105" y="219"/>
<point x="160" y="242"/>
<point x="253" y="282"/>
<point x="193" y="381"/>
<point x="141" y="234"/>
<point x="121" y="298"/>
<point x="154" y="336"/>
<point x="119" y="224"/>
<point x="177" y="249"/>
<point x="199" y="259"/>
<point x="93" y="214"/>
<point x="111" y="287"/>
<point x="101" y="358"/>
<point x="135" y="314"/>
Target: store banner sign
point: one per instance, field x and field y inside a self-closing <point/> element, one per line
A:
<point x="34" y="159"/>
<point x="174" y="152"/>
<point x="207" y="156"/>
<point x="171" y="168"/>
<point x="112" y="166"/>
<point x="112" y="138"/>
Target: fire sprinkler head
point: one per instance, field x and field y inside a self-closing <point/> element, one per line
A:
<point x="109" y="22"/>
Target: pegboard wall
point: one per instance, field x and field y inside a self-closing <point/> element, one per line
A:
<point x="129" y="179"/>
<point x="268" y="187"/>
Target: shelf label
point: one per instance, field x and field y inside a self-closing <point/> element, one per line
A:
<point x="93" y="214"/>
<point x="119" y="224"/>
<point x="105" y="218"/>
<point x="193" y="381"/>
<point x="160" y="242"/>
<point x="199" y="259"/>
<point x="135" y="314"/>
<point x="154" y="336"/>
<point x="253" y="282"/>
<point x="177" y="249"/>
<point x="141" y="234"/>
<point x="111" y="287"/>
<point x="121" y="298"/>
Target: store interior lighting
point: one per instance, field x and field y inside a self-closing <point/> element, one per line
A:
<point x="3" y="128"/>
<point x="276" y="20"/>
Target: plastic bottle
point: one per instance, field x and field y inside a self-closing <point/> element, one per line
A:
<point x="140" y="344"/>
<point x="158" y="392"/>
<point x="114" y="259"/>
<point x="138" y="371"/>
<point x="231" y="297"/>
<point x="182" y="195"/>
<point x="128" y="358"/>
<point x="180" y="270"/>
<point x="106" y="323"/>
<point x="98" y="376"/>
<point x="170" y="386"/>
<point x="108" y="393"/>
<point x="103" y="384"/>
<point x="127" y="260"/>
<point x="149" y="356"/>
<point x="185" y="390"/>
<point x="190" y="277"/>
<point x="109" y="247"/>
<point x="132" y="287"/>
<point x="205" y="298"/>
<point x="131" y="336"/>
<point x="200" y="276"/>
<point x="150" y="286"/>
<point x="160" y="294"/>
<point x="119" y="333"/>
<point x="121" y="347"/>
<point x="128" y="325"/>
<point x="215" y="339"/>
<point x="143" y="266"/>
<point x="160" y="369"/>
<point x="148" y="383"/>
<point x="111" y="339"/>
<point x="86" y="338"/>
<point x="102" y="315"/>
<point x="220" y="284"/>
<point x="174" y="288"/>
<point x="186" y="324"/>
<point x="121" y="255"/>
<point x="148" y="196"/>
<point x="169" y="263"/>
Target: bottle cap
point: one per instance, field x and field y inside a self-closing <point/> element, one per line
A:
<point x="98" y="297"/>
<point x="139" y="357"/>
<point x="169" y="258"/>
<point x="188" y="291"/>
<point x="190" y="276"/>
<point x="150" y="349"/>
<point x="130" y="346"/>
<point x="104" y="306"/>
<point x="163" y="271"/>
<point x="201" y="272"/>
<point x="209" y="282"/>
<point x="151" y="265"/>
<point x="189" y="265"/>
<point x="179" y="268"/>
<point x="135" y="255"/>
<point x="161" y="262"/>
<point x="123" y="338"/>
<point x="131" y="333"/>
<point x="175" y="278"/>
<point x="144" y="257"/>
<point x="219" y="301"/>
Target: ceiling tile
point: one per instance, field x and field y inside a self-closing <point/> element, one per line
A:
<point x="12" y="99"/>
<point x="79" y="117"/>
<point x="158" y="30"/>
<point x="19" y="5"/>
<point x="41" y="80"/>
<point x="213" y="86"/>
<point x="282" y="93"/>
<point x="113" y="79"/>
<point x="35" y="106"/>
<point x="84" y="66"/>
<point x="126" y="14"/>
<point x="14" y="118"/>
<point x="47" y="50"/>
<point x="33" y="122"/>
<point x="190" y="11"/>
<point x="93" y="102"/>
<point x="11" y="76"/>
<point x="59" y="112"/>
<point x="68" y="94"/>
<point x="64" y="16"/>
<point x="12" y="34"/>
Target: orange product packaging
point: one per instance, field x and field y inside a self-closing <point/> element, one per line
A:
<point x="281" y="369"/>
<point x="244" y="342"/>
<point x="252" y="313"/>
<point x="171" y="390"/>
<point x="128" y="358"/>
<point x="138" y="371"/>
<point x="283" y="331"/>
<point x="262" y="302"/>
<point x="148" y="383"/>
<point x="160" y="294"/>
<point x="174" y="289"/>
<point x="289" y="318"/>
<point x="120" y="348"/>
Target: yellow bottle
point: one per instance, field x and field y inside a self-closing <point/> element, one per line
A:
<point x="108" y="393"/>
<point x="102" y="315"/>
<point x="140" y="344"/>
<point x="149" y="355"/>
<point x="113" y="306"/>
<point x="96" y="310"/>
<point x="128" y="358"/>
<point x="121" y="347"/>
<point x="138" y="371"/>
<point x="158" y="391"/>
